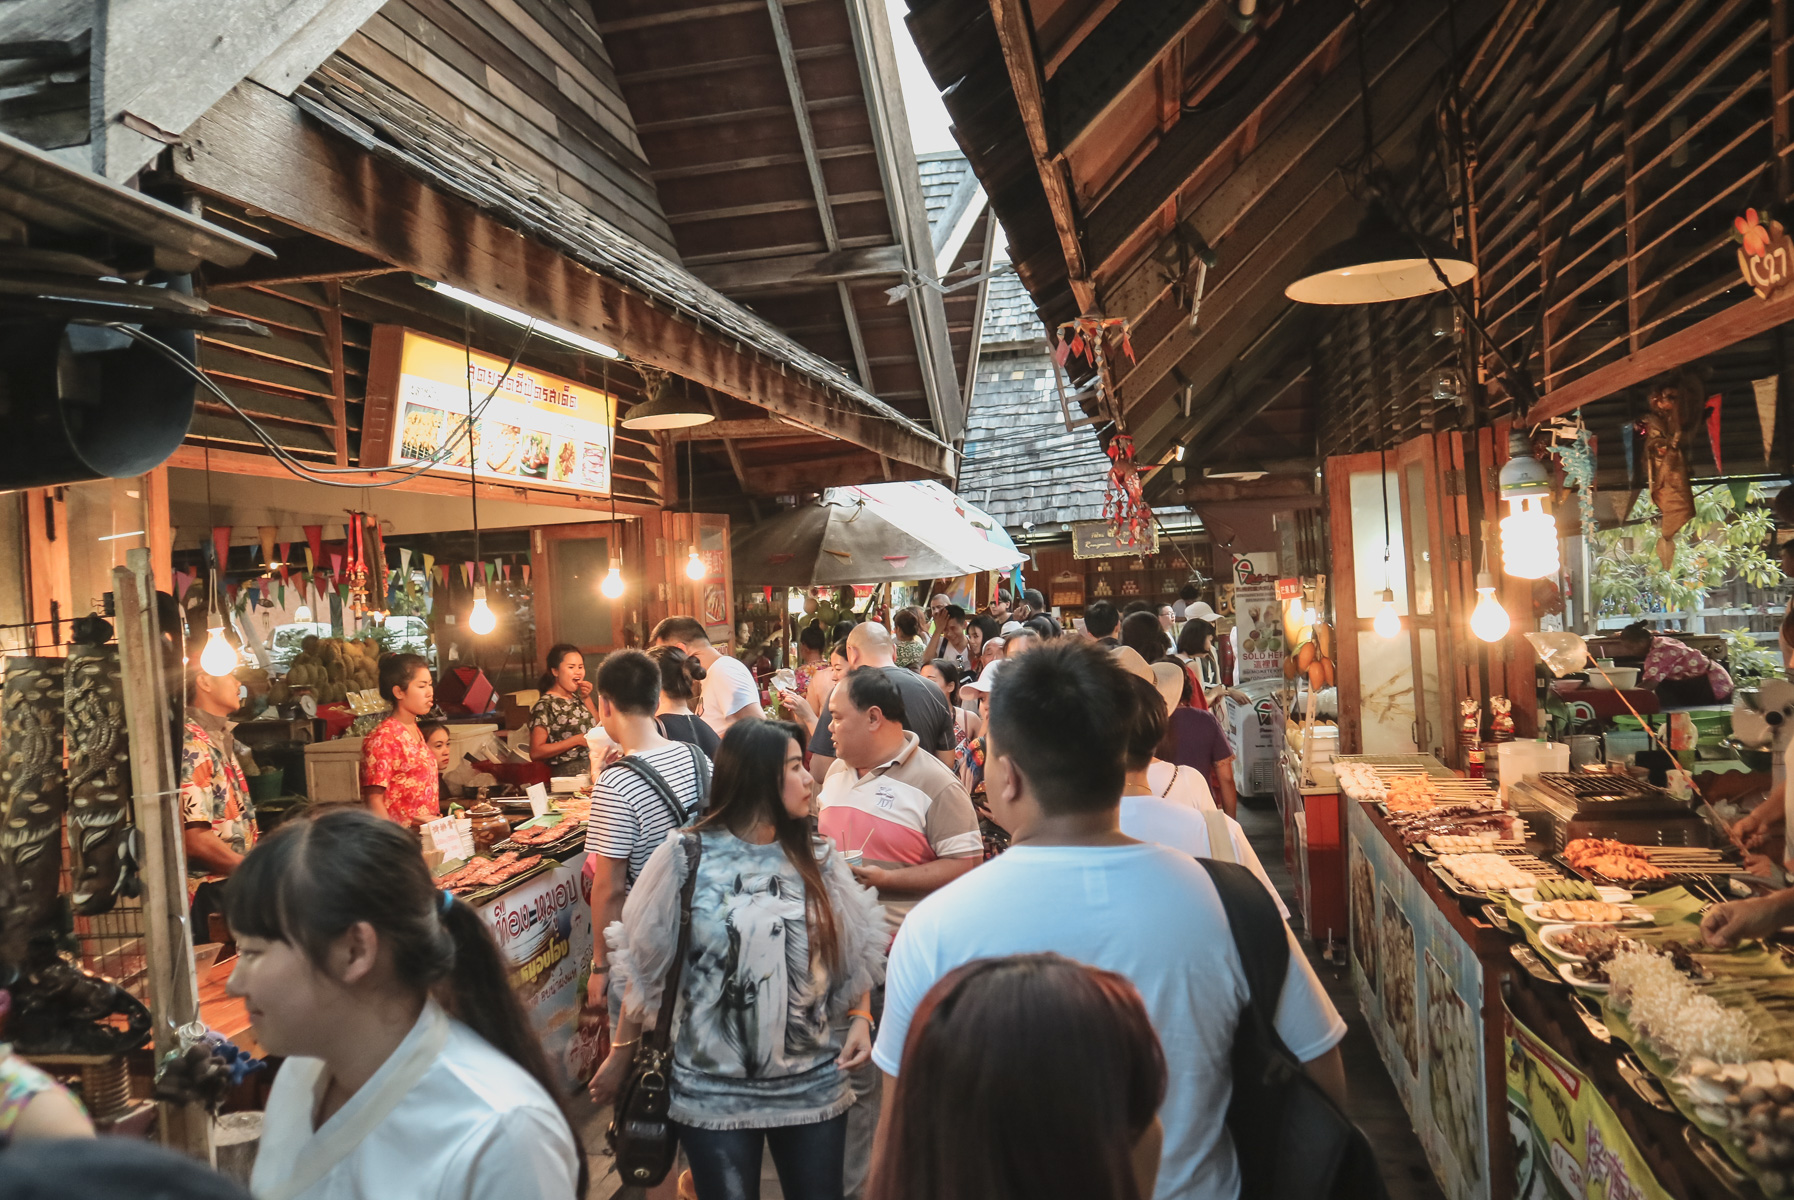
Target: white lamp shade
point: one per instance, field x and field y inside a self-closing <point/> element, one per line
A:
<point x="1528" y="540"/>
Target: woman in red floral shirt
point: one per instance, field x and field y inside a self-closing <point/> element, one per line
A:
<point x="398" y="769"/>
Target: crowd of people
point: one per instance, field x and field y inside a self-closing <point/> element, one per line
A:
<point x="945" y="931"/>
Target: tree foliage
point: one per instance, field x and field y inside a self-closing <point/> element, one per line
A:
<point x="1724" y="542"/>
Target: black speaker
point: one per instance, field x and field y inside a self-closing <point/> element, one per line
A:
<point x="81" y="402"/>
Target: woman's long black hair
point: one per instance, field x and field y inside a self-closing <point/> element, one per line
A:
<point x="746" y="788"/>
<point x="310" y="880"/>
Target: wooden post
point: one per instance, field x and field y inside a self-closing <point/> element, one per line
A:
<point x="168" y="942"/>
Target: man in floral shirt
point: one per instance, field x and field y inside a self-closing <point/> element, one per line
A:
<point x="1682" y="676"/>
<point x="217" y="817"/>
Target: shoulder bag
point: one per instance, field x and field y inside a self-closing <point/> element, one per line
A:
<point x="700" y="767"/>
<point x="1292" y="1141"/>
<point x="641" y="1131"/>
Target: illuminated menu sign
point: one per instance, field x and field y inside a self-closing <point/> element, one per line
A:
<point x="537" y="429"/>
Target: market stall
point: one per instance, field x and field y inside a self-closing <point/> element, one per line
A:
<point x="1535" y="981"/>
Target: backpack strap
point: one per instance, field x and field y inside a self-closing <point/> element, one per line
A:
<point x="701" y="769"/>
<point x="1220" y="838"/>
<point x="655" y="780"/>
<point x="1259" y="936"/>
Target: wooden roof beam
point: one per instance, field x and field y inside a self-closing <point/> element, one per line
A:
<point x="259" y="150"/>
<point x="744" y="429"/>
<point x="767" y="208"/>
<point x="1016" y="36"/>
<point x="803" y="270"/>
<point x="1126" y="46"/>
<point x="1300" y="156"/>
<point x="1122" y="225"/>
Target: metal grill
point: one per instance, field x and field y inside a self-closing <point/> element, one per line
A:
<point x="1598" y="787"/>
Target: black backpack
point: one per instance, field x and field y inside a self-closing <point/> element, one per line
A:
<point x="1292" y="1141"/>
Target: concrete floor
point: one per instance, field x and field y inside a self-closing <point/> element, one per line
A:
<point x="1375" y="1105"/>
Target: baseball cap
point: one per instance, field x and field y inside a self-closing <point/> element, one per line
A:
<point x="984" y="681"/>
<point x="1200" y="611"/>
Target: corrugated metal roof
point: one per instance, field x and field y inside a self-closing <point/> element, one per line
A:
<point x="1020" y="463"/>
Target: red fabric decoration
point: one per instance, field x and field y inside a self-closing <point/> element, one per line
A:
<point x="1713" y="430"/>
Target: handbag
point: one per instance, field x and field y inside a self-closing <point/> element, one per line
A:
<point x="1292" y="1141"/>
<point x="641" y="1131"/>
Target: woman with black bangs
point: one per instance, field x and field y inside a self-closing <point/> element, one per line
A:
<point x="412" y="1068"/>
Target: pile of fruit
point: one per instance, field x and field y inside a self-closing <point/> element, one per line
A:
<point x="1313" y="658"/>
<point x="331" y="668"/>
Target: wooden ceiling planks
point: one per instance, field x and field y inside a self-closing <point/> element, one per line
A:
<point x="757" y="121"/>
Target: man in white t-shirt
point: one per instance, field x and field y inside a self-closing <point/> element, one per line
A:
<point x="1073" y="883"/>
<point x="730" y="694"/>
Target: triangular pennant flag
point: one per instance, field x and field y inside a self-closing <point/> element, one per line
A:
<point x="314" y="541"/>
<point x="1713" y="430"/>
<point x="285" y="550"/>
<point x="267" y="532"/>
<point x="430" y="567"/>
<point x="526" y="572"/>
<point x="280" y="592"/>
<point x="491" y="571"/>
<point x="1740" y="489"/>
<point x="504" y="571"/>
<point x="1629" y="438"/>
<point x="336" y="562"/>
<point x="221" y="544"/>
<point x="1766" y="399"/>
<point x="404" y="563"/>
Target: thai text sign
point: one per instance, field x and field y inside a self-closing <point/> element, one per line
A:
<point x="536" y="429"/>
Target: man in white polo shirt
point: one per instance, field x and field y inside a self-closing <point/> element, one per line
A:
<point x="913" y="825"/>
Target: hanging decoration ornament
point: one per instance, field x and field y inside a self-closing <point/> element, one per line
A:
<point x="1124" y="503"/>
<point x="1084" y="338"/>
<point x="1675" y="405"/>
<point x="1574" y="447"/>
<point x="355" y="572"/>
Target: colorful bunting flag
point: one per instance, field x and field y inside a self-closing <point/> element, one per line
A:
<point x="1766" y="399"/>
<point x="267" y="532"/>
<point x="314" y="546"/>
<point x="221" y="544"/>
<point x="1713" y="430"/>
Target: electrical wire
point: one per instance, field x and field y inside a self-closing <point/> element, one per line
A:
<point x="309" y="472"/>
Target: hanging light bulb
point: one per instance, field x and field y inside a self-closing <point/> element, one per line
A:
<point x="694" y="566"/>
<point x="481" y="620"/>
<point x="217" y="659"/>
<point x="612" y="587"/>
<point x="302" y="613"/>
<point x="1528" y="533"/>
<point x="1488" y="621"/>
<point x="1388" y="623"/>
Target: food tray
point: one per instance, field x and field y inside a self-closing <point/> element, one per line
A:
<point x="1671" y="859"/>
<point x="1523" y="860"/>
<point x="491" y="892"/>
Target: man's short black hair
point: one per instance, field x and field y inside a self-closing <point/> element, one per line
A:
<point x="1189" y="593"/>
<point x="1635" y="633"/>
<point x="869" y="688"/>
<point x="686" y="631"/>
<point x="1064" y="713"/>
<point x="956" y="613"/>
<point x="1035" y="600"/>
<point x="1042" y="625"/>
<point x="630" y="680"/>
<point x="1100" y="619"/>
<point x="1134" y="606"/>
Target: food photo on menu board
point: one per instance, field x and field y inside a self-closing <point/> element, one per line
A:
<point x="535" y="426"/>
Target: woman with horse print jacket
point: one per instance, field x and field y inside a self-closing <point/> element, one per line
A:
<point x="773" y="1007"/>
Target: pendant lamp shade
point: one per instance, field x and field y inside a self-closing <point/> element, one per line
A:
<point x="1378" y="263"/>
<point x="664" y="410"/>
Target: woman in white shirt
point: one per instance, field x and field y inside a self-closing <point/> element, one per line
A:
<point x="411" y="1067"/>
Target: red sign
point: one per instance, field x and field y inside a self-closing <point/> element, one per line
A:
<point x="1289" y="589"/>
<point x="1765" y="255"/>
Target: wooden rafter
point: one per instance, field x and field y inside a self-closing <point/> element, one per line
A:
<point x="1015" y="35"/>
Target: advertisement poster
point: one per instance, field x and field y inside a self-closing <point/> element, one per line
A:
<point x="1258" y="619"/>
<point x="544" y="930"/>
<point x="1568" y="1144"/>
<point x="538" y="428"/>
<point x="1421" y="989"/>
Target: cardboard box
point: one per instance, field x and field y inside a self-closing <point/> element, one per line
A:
<point x="514" y="708"/>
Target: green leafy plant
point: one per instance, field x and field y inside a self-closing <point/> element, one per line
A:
<point x="1746" y="659"/>
<point x="1723" y="543"/>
